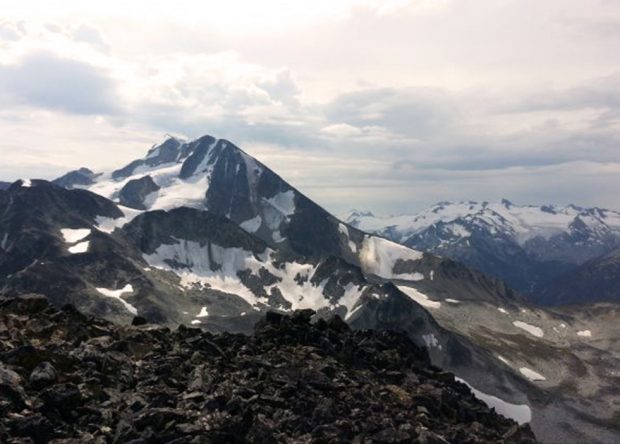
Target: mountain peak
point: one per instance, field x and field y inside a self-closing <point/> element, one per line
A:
<point x="357" y="213"/>
<point x="77" y="178"/>
<point x="507" y="203"/>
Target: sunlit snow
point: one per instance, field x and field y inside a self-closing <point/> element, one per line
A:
<point x="72" y="236"/>
<point x="196" y="261"/>
<point x="203" y="313"/>
<point x="283" y="202"/>
<point x="116" y="294"/>
<point x="522" y="223"/>
<point x="379" y="256"/>
<point x="504" y="360"/>
<point x="521" y="413"/>
<point x="82" y="247"/>
<point x="531" y="374"/>
<point x="193" y="263"/>
<point x="419" y="297"/>
<point x="531" y="329"/>
<point x="251" y="225"/>
<point x="344" y="230"/>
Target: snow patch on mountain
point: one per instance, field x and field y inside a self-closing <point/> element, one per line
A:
<point x="419" y="297"/>
<point x="296" y="287"/>
<point x="108" y="224"/>
<point x="82" y="247"/>
<point x="4" y="242"/>
<point x="352" y="312"/>
<point x="351" y="297"/>
<point x="276" y="210"/>
<point x="504" y="360"/>
<point x="417" y="277"/>
<point x="252" y="225"/>
<point x="531" y="374"/>
<point x="277" y="237"/>
<point x="71" y="235"/>
<point x="218" y="268"/>
<point x="521" y="413"/>
<point x="179" y="192"/>
<point x="117" y="295"/>
<point x="174" y="191"/>
<point x="460" y="230"/>
<point x="204" y="312"/>
<point x="531" y="329"/>
<point x="344" y="230"/>
<point x="379" y="256"/>
<point x="209" y="265"/>
<point x="283" y="202"/>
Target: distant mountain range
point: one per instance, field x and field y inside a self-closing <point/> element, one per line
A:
<point x="200" y="233"/>
<point x="534" y="249"/>
<point x="597" y="279"/>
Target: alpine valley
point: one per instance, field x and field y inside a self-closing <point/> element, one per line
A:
<point x="200" y="233"/>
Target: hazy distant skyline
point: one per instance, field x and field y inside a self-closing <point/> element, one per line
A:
<point x="382" y="105"/>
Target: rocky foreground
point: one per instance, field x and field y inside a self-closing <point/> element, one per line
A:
<point x="65" y="377"/>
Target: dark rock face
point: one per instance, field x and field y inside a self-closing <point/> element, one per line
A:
<point x="31" y="219"/>
<point x="43" y="375"/>
<point x="172" y="150"/>
<point x="4" y="185"/>
<point x="597" y="279"/>
<point x="494" y="254"/>
<point x="291" y="381"/>
<point x="83" y="177"/>
<point x="134" y="193"/>
<point x="149" y="230"/>
<point x="194" y="160"/>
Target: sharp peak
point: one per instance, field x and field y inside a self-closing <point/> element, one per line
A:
<point x="356" y="212"/>
<point x="181" y="141"/>
<point x="169" y="136"/>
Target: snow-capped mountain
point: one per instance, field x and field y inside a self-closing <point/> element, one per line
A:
<point x="215" y="175"/>
<point x="526" y="246"/>
<point x="199" y="233"/>
<point x="80" y="177"/>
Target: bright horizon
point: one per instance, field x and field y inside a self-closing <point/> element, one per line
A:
<point x="374" y="105"/>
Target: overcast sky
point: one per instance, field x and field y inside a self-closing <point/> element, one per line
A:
<point x="381" y="105"/>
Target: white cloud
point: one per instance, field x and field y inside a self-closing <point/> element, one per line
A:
<point x="341" y="130"/>
<point x="387" y="105"/>
<point x="45" y="80"/>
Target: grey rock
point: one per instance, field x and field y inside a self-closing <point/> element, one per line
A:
<point x="43" y="375"/>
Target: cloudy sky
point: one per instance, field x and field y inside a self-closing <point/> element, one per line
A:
<point x="384" y="105"/>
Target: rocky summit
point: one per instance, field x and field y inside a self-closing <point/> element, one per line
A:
<point x="66" y="378"/>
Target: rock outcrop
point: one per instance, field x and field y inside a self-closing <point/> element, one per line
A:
<point x="66" y="377"/>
